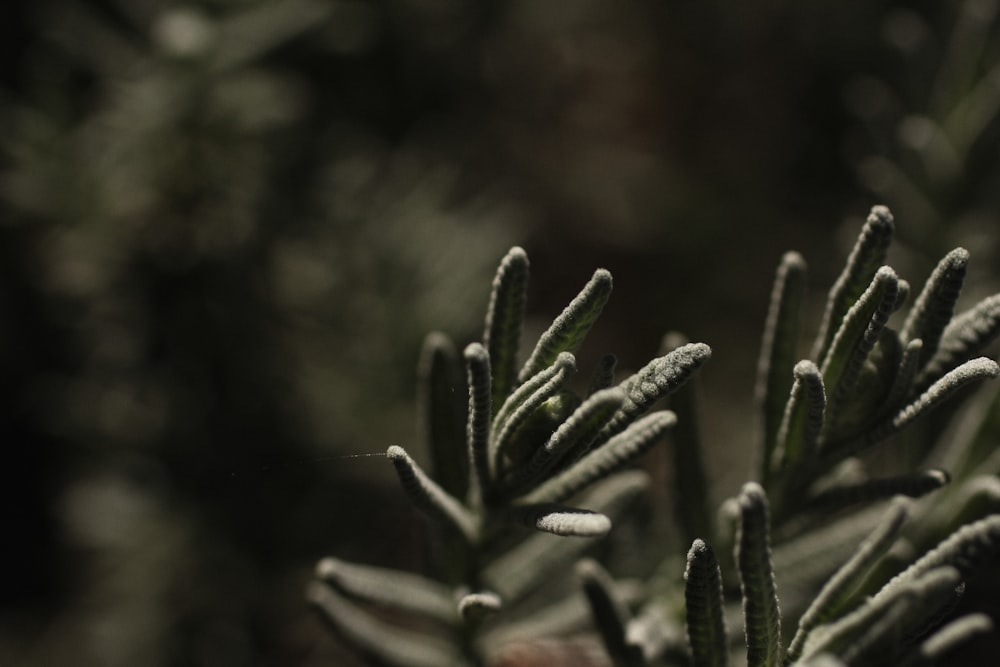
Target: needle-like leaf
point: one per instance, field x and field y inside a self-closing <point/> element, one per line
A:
<point x="571" y="439"/>
<point x="855" y="339"/>
<point x="518" y="571"/>
<point x="389" y="588"/>
<point x="967" y="335"/>
<point x="838" y="590"/>
<point x="571" y="327"/>
<point x="361" y="629"/>
<point x="913" y="485"/>
<point x="966" y="550"/>
<point x="936" y="304"/>
<point x="563" y="368"/>
<point x="760" y="600"/>
<point x="504" y="322"/>
<point x="868" y="254"/>
<point x="610" y="615"/>
<point x="657" y="379"/>
<point x="442" y="410"/>
<point x="706" y="627"/>
<point x="778" y="349"/>
<point x="561" y="520"/>
<point x="605" y="460"/>
<point x="428" y="496"/>
<point x="477" y="366"/>
<point x="798" y="437"/>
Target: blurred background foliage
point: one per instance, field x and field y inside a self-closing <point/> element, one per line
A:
<point x="226" y="225"/>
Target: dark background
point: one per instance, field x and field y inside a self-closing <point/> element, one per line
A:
<point x="225" y="227"/>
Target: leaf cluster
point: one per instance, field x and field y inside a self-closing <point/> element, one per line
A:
<point x="525" y="449"/>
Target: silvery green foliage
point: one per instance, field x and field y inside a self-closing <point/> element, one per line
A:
<point x="819" y="565"/>
<point x="524" y="450"/>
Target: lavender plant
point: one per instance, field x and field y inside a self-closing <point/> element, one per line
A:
<point x="784" y="553"/>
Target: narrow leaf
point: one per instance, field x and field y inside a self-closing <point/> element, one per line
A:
<point x="563" y="368"/>
<point x="605" y="460"/>
<point x="442" y="410"/>
<point x="572" y="439"/>
<point x="906" y="374"/>
<point x="778" y="349"/>
<point x="429" y="497"/>
<point x="368" y="634"/>
<point x="706" y="627"/>
<point x="610" y="615"/>
<point x="571" y="327"/>
<point x="913" y="485"/>
<point x="389" y="588"/>
<point x="971" y="371"/>
<point x="856" y="338"/>
<point x="522" y="568"/>
<point x="477" y="365"/>
<point x="937" y="647"/>
<point x="695" y="514"/>
<point x="657" y="379"/>
<point x="798" y="436"/>
<point x="868" y="254"/>
<point x="874" y="633"/>
<point x="525" y="390"/>
<point x="760" y="600"/>
<point x="967" y="335"/>
<point x="838" y="590"/>
<point x="936" y="304"/>
<point x="475" y="607"/>
<point x="561" y="520"/>
<point x="504" y="322"/>
<point x="967" y="549"/>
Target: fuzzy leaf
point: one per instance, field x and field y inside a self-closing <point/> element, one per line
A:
<point x="868" y="254"/>
<point x="971" y="371"/>
<point x="504" y="322"/>
<point x="609" y="613"/>
<point x="967" y="335"/>
<point x="798" y="436"/>
<point x="913" y="485"/>
<point x="706" y="627"/>
<point x="935" y="649"/>
<point x="563" y="368"/>
<point x="778" y="349"/>
<point x="874" y="633"/>
<point x="407" y="648"/>
<point x="526" y="390"/>
<point x="562" y="520"/>
<point x="389" y="588"/>
<point x="760" y="600"/>
<point x="522" y="568"/>
<point x="475" y="607"/>
<point x="569" y="329"/>
<point x="966" y="550"/>
<point x="855" y="339"/>
<point x="572" y="438"/>
<point x="694" y="515"/>
<point x="605" y="460"/>
<point x="443" y="413"/>
<point x="936" y="304"/>
<point x="836" y="593"/>
<point x="428" y="496"/>
<point x="906" y="374"/>
<point x="657" y="379"/>
<point x="477" y="366"/>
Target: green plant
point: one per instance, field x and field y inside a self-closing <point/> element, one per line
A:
<point x="530" y="443"/>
